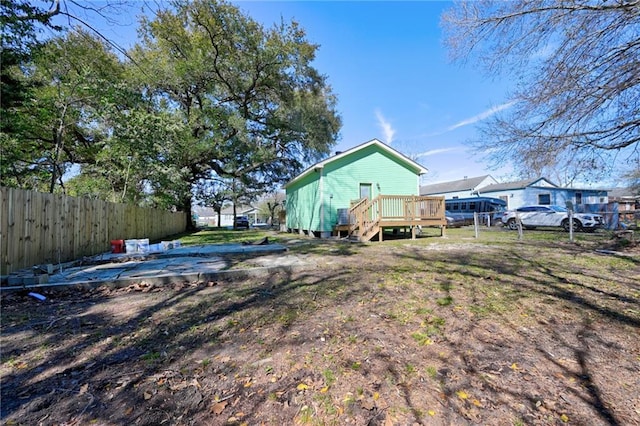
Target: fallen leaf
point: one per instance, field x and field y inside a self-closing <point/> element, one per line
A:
<point x="462" y="394"/>
<point x="324" y="389"/>
<point x="147" y="395"/>
<point x="84" y="388"/>
<point x="476" y="403"/>
<point x="218" y="407"/>
<point x="128" y="411"/>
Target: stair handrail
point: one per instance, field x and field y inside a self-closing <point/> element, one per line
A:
<point x="367" y="217"/>
<point x="354" y="214"/>
<point x="371" y="213"/>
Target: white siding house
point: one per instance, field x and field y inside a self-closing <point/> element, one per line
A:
<point x="543" y="191"/>
<point x="521" y="193"/>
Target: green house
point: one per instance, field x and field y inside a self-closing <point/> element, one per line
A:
<point x="319" y="198"/>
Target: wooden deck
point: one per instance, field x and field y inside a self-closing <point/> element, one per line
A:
<point x="369" y="218"/>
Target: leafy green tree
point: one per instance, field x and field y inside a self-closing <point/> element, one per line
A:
<point x="576" y="62"/>
<point x="62" y="123"/>
<point x="255" y="107"/>
<point x="18" y="20"/>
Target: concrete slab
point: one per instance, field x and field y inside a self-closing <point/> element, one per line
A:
<point x="190" y="263"/>
<point x="220" y="249"/>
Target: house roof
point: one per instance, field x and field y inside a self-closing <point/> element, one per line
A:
<point x="466" y="184"/>
<point x="519" y="184"/>
<point x="240" y="210"/>
<point x="421" y="170"/>
<point x="623" y="193"/>
<point x="227" y="210"/>
<point x="203" y="211"/>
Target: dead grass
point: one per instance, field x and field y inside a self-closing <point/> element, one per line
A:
<point x="435" y="331"/>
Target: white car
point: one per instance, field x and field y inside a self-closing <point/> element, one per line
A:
<point x="557" y="216"/>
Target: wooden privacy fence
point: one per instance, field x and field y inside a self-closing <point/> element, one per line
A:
<point x="37" y="228"/>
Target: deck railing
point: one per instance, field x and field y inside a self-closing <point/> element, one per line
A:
<point x="401" y="210"/>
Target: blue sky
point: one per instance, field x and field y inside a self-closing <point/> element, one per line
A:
<point x="389" y="69"/>
<point x="388" y="66"/>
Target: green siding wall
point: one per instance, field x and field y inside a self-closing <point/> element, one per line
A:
<point x="340" y="185"/>
<point x="303" y="203"/>
<point x="386" y="174"/>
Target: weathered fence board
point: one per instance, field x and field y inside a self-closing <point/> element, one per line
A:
<point x="38" y="228"/>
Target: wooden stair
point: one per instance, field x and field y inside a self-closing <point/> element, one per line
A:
<point x="367" y="218"/>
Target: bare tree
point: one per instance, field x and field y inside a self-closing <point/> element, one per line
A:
<point x="271" y="205"/>
<point x="632" y="179"/>
<point x="577" y="63"/>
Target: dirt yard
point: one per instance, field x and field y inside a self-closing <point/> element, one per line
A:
<point x="435" y="332"/>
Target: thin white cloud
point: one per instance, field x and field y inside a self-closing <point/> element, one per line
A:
<point x="386" y="127"/>
<point x="436" y="151"/>
<point x="479" y="117"/>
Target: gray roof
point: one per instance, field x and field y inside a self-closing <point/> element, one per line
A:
<point x="227" y="210"/>
<point x="240" y="210"/>
<point x="519" y="184"/>
<point x="467" y="184"/>
<point x="203" y="211"/>
<point x="623" y="193"/>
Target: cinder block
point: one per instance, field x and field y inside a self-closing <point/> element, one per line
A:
<point x="14" y="280"/>
<point x="36" y="279"/>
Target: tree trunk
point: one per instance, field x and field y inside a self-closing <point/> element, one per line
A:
<point x="234" y="214"/>
<point x="186" y="205"/>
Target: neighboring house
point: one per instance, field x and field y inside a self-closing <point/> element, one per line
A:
<point x="318" y="198"/>
<point x="227" y="215"/>
<point x="624" y="208"/>
<point x="206" y="216"/>
<point x="462" y="188"/>
<point x="542" y="191"/>
<point x="521" y="193"/>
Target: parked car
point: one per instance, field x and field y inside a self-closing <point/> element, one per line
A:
<point x="456" y="220"/>
<point x="554" y="216"/>
<point x="241" y="222"/>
